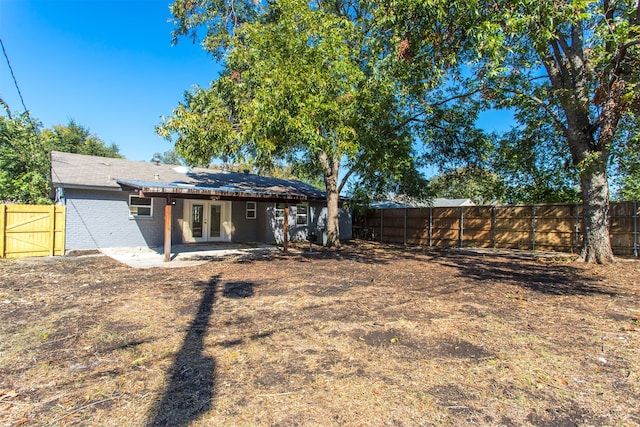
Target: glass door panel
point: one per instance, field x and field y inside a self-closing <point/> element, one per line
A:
<point x="214" y="228"/>
<point x="197" y="212"/>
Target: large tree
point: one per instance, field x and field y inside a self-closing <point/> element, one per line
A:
<point x="25" y="154"/>
<point x="75" y="138"/>
<point x="301" y="83"/>
<point x="589" y="53"/>
<point x="576" y="61"/>
<point x="627" y="167"/>
<point x="23" y="161"/>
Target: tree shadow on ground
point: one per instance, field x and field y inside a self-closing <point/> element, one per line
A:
<point x="190" y="389"/>
<point x="546" y="278"/>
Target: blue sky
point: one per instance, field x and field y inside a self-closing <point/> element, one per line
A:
<point x="109" y="65"/>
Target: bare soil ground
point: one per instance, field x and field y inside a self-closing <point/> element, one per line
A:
<point x="372" y="335"/>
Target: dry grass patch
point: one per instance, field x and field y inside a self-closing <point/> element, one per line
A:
<point x="372" y="335"/>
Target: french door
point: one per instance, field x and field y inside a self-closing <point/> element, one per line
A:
<point x="206" y="221"/>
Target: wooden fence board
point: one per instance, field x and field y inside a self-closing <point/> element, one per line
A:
<point x="32" y="230"/>
<point x="535" y="227"/>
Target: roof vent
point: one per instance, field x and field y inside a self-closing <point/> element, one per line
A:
<point x="183" y="169"/>
<point x="156" y="177"/>
<point x="246" y="171"/>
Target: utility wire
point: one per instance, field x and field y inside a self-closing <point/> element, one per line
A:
<point x="15" y="82"/>
<point x="26" y="110"/>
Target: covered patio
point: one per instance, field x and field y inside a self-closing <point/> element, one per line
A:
<point x="173" y="191"/>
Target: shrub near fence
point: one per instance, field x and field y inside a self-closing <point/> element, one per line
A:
<point x="535" y="227"/>
<point x="31" y="230"/>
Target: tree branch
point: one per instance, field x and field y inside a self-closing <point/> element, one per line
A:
<point x="350" y="172"/>
<point x="559" y="62"/>
<point x="542" y="104"/>
<point x="435" y="104"/>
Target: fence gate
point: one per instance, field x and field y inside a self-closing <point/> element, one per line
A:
<point x="31" y="230"/>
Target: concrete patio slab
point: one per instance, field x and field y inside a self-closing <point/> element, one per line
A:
<point x="185" y="255"/>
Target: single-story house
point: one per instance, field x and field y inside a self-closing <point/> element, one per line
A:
<point x="122" y="203"/>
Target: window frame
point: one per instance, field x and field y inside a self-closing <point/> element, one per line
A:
<point x="300" y="215"/>
<point x="136" y="206"/>
<point x="279" y="211"/>
<point x="253" y="210"/>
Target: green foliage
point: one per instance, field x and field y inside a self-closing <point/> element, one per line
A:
<point x="480" y="185"/>
<point x="169" y="157"/>
<point x="534" y="162"/>
<point x="25" y="155"/>
<point x="574" y="61"/>
<point x="302" y="84"/>
<point x="23" y="161"/>
<point x="74" y="138"/>
<point x="627" y="164"/>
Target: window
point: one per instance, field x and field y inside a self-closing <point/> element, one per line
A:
<point x="279" y="210"/>
<point x="140" y="207"/>
<point x="251" y="210"/>
<point x="302" y="214"/>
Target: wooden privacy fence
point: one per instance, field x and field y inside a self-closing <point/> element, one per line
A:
<point x="535" y="227"/>
<point x="31" y="230"/>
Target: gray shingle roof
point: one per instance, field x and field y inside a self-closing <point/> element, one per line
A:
<point x="70" y="170"/>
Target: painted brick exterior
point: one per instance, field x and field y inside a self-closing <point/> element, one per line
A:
<point x="100" y="219"/>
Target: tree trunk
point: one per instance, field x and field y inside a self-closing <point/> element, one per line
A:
<point x="590" y="156"/>
<point x="331" y="167"/>
<point x="596" y="246"/>
<point x="333" y="227"/>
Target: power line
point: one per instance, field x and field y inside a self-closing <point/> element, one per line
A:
<point x="34" y="127"/>
<point x="15" y="82"/>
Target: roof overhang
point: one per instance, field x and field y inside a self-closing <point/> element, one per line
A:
<point x="191" y="191"/>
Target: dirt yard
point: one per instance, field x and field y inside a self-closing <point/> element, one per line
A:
<point x="372" y="335"/>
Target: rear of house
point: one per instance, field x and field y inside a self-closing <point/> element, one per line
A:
<point x="122" y="203"/>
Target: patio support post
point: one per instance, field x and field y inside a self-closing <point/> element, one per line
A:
<point x="285" y="227"/>
<point x="167" y="231"/>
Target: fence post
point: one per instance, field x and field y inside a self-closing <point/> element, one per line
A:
<point x="3" y="231"/>
<point x="494" y="226"/>
<point x="430" y="226"/>
<point x="461" y="229"/>
<point x="52" y="230"/>
<point x="533" y="227"/>
<point x="405" y="227"/>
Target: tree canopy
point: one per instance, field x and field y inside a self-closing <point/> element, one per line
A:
<point x="570" y="65"/>
<point x="358" y="86"/>
<point x="25" y="155"/>
<point x="75" y="138"/>
<point x="300" y="84"/>
<point x="23" y="162"/>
